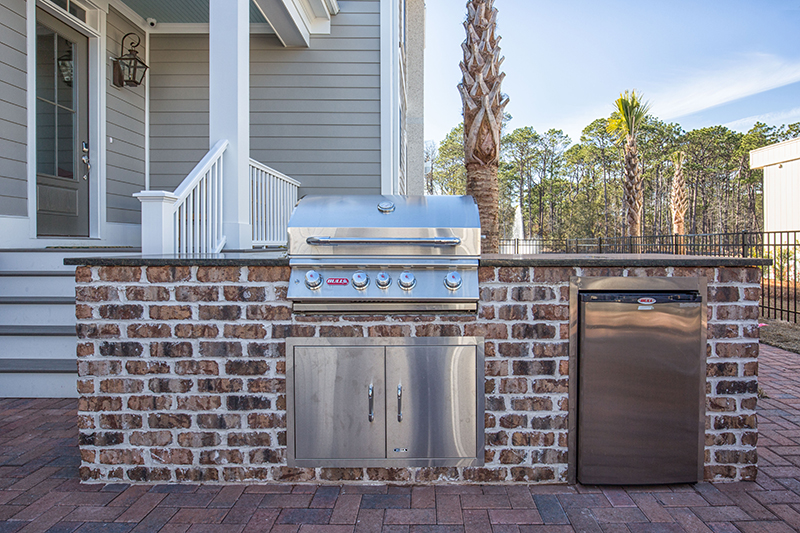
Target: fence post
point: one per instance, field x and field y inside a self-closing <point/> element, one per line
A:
<point x="744" y="244"/>
<point x="599" y="245"/>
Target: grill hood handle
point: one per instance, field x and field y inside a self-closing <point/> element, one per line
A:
<point x="422" y="241"/>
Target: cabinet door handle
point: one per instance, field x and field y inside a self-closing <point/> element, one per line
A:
<point x="371" y="403"/>
<point x="399" y="402"/>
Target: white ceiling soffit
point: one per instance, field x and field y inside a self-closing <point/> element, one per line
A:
<point x="181" y="11"/>
<point x="295" y="21"/>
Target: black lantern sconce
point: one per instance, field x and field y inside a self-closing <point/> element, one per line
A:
<point x="66" y="67"/>
<point x="129" y="70"/>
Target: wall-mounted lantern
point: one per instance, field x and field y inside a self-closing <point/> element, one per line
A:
<point x="66" y="67"/>
<point x="129" y="70"/>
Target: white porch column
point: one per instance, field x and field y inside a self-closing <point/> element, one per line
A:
<point x="229" y="111"/>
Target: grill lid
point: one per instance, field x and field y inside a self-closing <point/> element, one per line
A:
<point x="390" y="254"/>
<point x="384" y="225"/>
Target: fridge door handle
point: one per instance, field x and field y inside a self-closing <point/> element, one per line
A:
<point x="399" y="402"/>
<point x="371" y="396"/>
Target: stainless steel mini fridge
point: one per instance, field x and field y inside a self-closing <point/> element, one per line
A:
<point x="641" y="368"/>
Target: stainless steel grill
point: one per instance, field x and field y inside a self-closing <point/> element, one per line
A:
<point x="384" y="254"/>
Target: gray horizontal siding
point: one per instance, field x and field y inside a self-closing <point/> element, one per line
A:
<point x="13" y="109"/>
<point x="125" y="124"/>
<point x="314" y="113"/>
<point x="13" y="114"/>
<point x="178" y="107"/>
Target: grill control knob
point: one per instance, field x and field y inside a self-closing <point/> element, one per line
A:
<point x="383" y="280"/>
<point x="407" y="280"/>
<point x="360" y="279"/>
<point x="313" y="279"/>
<point x="452" y="280"/>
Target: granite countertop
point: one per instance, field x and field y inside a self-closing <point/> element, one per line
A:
<point x="626" y="260"/>
<point x="279" y="258"/>
<point x="232" y="258"/>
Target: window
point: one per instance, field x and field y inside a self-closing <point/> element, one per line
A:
<point x="72" y="8"/>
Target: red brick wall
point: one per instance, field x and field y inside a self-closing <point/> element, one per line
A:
<point x="182" y="372"/>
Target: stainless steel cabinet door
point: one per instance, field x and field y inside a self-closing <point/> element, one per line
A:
<point x="339" y="403"/>
<point x="431" y="401"/>
<point x="641" y="372"/>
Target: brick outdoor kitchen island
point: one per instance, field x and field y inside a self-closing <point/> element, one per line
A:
<point x="182" y="366"/>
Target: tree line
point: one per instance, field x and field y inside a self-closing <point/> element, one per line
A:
<point x="572" y="190"/>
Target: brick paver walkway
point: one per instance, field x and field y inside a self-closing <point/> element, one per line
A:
<point x="39" y="490"/>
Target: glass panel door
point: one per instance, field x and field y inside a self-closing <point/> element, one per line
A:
<point x="62" y="181"/>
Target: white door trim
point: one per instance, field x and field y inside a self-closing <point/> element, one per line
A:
<point x="390" y="97"/>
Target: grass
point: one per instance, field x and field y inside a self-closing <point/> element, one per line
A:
<point x="781" y="334"/>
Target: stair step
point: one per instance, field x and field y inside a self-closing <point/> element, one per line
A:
<point x="37" y="273"/>
<point x="38" y="366"/>
<point x="52" y="259"/>
<point x="38" y="385"/>
<point x="37" y="331"/>
<point x="35" y="285"/>
<point x="37" y="300"/>
<point x="37" y="311"/>
<point x="37" y="322"/>
<point x="17" y="346"/>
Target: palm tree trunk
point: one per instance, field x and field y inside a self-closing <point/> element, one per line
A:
<point x="482" y="185"/>
<point x="632" y="189"/>
<point x="484" y="105"/>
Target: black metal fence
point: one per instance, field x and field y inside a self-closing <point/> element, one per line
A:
<point x="779" y="281"/>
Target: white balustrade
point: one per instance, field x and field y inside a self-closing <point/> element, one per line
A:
<point x="272" y="198"/>
<point x="188" y="220"/>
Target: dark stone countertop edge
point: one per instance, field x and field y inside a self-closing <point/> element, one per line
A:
<point x="542" y="260"/>
<point x="621" y="260"/>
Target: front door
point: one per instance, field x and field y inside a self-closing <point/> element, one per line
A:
<point x="62" y="129"/>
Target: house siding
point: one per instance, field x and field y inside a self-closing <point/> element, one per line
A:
<point x="13" y="105"/>
<point x="314" y="113"/>
<point x="125" y="123"/>
<point x="178" y="107"/>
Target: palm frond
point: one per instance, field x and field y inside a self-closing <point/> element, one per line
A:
<point x="630" y="112"/>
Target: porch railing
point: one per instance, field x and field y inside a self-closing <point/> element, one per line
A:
<point x="272" y="197"/>
<point x="188" y="220"/>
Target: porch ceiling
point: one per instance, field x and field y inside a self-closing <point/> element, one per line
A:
<point x="182" y="11"/>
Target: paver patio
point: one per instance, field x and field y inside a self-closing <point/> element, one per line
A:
<point x="40" y="492"/>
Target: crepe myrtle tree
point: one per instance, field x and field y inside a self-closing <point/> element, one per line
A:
<point x="483" y="104"/>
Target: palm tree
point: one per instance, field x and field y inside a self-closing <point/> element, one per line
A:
<point x="483" y="115"/>
<point x="678" y="196"/>
<point x="625" y="123"/>
<point x="678" y="201"/>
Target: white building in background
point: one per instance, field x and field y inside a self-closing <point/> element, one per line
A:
<point x="781" y="164"/>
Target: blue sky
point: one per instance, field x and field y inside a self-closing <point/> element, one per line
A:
<point x="698" y="62"/>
